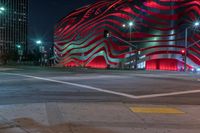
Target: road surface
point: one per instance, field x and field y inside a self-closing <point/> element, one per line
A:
<point x="55" y="100"/>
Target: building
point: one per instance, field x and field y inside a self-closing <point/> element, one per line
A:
<point x="155" y="30"/>
<point x="13" y="26"/>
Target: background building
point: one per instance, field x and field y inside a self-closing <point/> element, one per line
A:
<point x="155" y="28"/>
<point x="13" y="26"/>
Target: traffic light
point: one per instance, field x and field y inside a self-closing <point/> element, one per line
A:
<point x="106" y="34"/>
<point x="183" y="51"/>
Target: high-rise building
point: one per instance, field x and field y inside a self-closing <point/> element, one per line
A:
<point x="13" y="26"/>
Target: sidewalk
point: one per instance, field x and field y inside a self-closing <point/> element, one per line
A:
<point x="95" y="118"/>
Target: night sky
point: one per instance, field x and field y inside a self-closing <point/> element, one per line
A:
<point x="43" y="15"/>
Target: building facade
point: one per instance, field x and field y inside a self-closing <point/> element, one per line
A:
<point x="13" y="26"/>
<point x="145" y="34"/>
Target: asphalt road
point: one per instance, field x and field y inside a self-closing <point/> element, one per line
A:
<point x="37" y="85"/>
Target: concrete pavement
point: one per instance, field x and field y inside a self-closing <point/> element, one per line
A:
<point x="95" y="118"/>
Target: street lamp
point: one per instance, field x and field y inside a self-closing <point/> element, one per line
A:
<point x="19" y="51"/>
<point x="38" y="42"/>
<point x="130" y="25"/>
<point x="19" y="46"/>
<point x="41" y="50"/>
<point x="196" y="25"/>
<point x="2" y="9"/>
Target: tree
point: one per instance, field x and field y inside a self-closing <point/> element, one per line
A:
<point x="11" y="56"/>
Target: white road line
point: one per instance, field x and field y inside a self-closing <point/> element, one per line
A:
<point x="8" y="69"/>
<point x="168" y="94"/>
<point x="78" y="85"/>
<point x="68" y="78"/>
<point x="109" y="91"/>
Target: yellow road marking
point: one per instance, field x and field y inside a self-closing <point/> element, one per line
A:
<point x="156" y="110"/>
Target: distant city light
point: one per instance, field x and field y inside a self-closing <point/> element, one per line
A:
<point x="38" y="42"/>
<point x="197" y="24"/>
<point x="130" y="23"/>
<point x="2" y="8"/>
<point x="18" y="46"/>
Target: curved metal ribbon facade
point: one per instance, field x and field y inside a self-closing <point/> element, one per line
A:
<point x="158" y="32"/>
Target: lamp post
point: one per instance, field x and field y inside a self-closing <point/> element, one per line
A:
<point x="19" y="51"/>
<point x="185" y="55"/>
<point x="41" y="47"/>
<point x="130" y="29"/>
<point x="196" y="24"/>
<point x="45" y="52"/>
<point x="41" y="50"/>
<point x="130" y="25"/>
